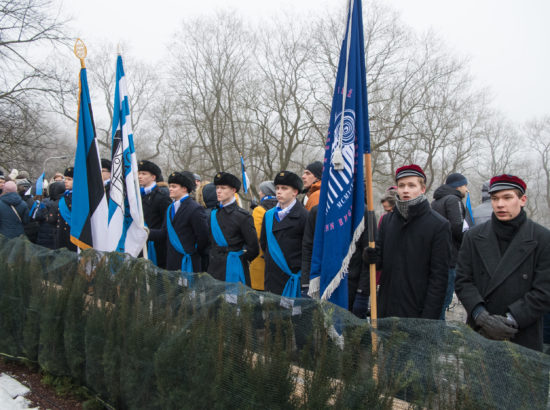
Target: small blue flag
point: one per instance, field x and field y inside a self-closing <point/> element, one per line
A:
<point x="469" y="208"/>
<point x="244" y="176"/>
<point x="340" y="216"/>
<point x="40" y="184"/>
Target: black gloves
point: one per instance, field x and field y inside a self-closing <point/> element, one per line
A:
<point x="361" y="305"/>
<point x="495" y="327"/>
<point x="369" y="256"/>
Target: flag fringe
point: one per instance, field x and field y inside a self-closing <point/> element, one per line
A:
<point x="333" y="285"/>
<point x="314" y="288"/>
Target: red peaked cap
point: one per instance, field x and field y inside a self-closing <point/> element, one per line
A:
<point x="412" y="170"/>
<point x="505" y="181"/>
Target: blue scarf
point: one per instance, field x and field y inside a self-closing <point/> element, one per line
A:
<point x="152" y="252"/>
<point x="234" y="268"/>
<point x="65" y="211"/>
<point x="186" y="262"/>
<point x="292" y="287"/>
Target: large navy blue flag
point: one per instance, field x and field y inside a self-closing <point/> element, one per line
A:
<point x="340" y="217"/>
<point x="89" y="210"/>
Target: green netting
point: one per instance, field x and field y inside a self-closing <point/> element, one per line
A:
<point x="142" y="337"/>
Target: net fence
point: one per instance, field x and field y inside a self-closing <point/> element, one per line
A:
<point x="142" y="337"/>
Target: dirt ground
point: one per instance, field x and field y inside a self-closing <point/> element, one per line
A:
<point x="41" y="396"/>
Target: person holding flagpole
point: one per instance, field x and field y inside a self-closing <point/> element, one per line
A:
<point x="185" y="230"/>
<point x="62" y="217"/>
<point x="233" y="238"/>
<point x="413" y="250"/>
<point x="281" y="237"/>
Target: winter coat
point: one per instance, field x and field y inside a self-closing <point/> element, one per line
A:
<point x="414" y="258"/>
<point x="289" y="233"/>
<point x="517" y="282"/>
<point x="12" y="224"/>
<point x="192" y="229"/>
<point x="312" y="196"/>
<point x="154" y="211"/>
<point x="238" y="229"/>
<point x="257" y="266"/>
<point x="482" y="213"/>
<point x="62" y="235"/>
<point x="448" y="203"/>
<point x="46" y="231"/>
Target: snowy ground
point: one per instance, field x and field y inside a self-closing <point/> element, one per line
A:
<point x="12" y="394"/>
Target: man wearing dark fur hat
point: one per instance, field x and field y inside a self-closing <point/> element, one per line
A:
<point x="412" y="250"/>
<point x="155" y="200"/>
<point x="233" y="239"/>
<point x="185" y="230"/>
<point x="106" y="175"/>
<point x="312" y="184"/>
<point x="61" y="214"/>
<point x="503" y="270"/>
<point x="281" y="237"/>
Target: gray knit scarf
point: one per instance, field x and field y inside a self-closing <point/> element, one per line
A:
<point x="403" y="206"/>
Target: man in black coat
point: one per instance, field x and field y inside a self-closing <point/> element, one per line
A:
<point x="233" y="238"/>
<point x="412" y="250"/>
<point x="106" y="175"/>
<point x="448" y="203"/>
<point x="281" y="237"/>
<point x="61" y="218"/>
<point x="186" y="230"/>
<point x="503" y="270"/>
<point x="155" y="200"/>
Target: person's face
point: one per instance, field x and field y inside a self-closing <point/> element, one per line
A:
<point x="463" y="190"/>
<point x="225" y="193"/>
<point x="177" y="191"/>
<point x="105" y="174"/>
<point x="387" y="207"/>
<point x="58" y="178"/>
<point x="68" y="183"/>
<point x="145" y="178"/>
<point x="285" y="194"/>
<point x="409" y="188"/>
<point x="308" y="178"/>
<point x="506" y="204"/>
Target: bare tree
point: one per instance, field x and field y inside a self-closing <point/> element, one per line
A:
<point x="538" y="135"/>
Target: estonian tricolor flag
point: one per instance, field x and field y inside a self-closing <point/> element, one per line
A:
<point x="89" y="205"/>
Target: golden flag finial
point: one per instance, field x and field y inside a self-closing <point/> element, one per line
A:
<point x="80" y="51"/>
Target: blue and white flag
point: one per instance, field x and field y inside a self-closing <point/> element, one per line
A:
<point x="40" y="184"/>
<point x="126" y="223"/>
<point x="89" y="205"/>
<point x="244" y="176"/>
<point x="340" y="215"/>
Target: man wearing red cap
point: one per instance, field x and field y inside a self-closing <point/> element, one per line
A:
<point x="413" y="251"/>
<point x="503" y="270"/>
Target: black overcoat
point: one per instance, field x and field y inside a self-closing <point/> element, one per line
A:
<point x="414" y="258"/>
<point x="238" y="229"/>
<point x="154" y="210"/>
<point x="62" y="236"/>
<point x="192" y="229"/>
<point x="289" y="233"/>
<point x="517" y="282"/>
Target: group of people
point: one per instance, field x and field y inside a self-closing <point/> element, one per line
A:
<point x="497" y="260"/>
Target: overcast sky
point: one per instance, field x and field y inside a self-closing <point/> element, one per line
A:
<point x="506" y="40"/>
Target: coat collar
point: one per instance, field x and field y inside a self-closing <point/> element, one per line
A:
<point x="498" y="266"/>
<point x="290" y="220"/>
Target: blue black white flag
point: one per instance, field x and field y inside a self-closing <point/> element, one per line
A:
<point x="340" y="217"/>
<point x="469" y="208"/>
<point x="244" y="176"/>
<point x="126" y="223"/>
<point x="40" y="184"/>
<point x="89" y="206"/>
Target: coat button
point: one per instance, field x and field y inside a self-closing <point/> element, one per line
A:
<point x="525" y="276"/>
